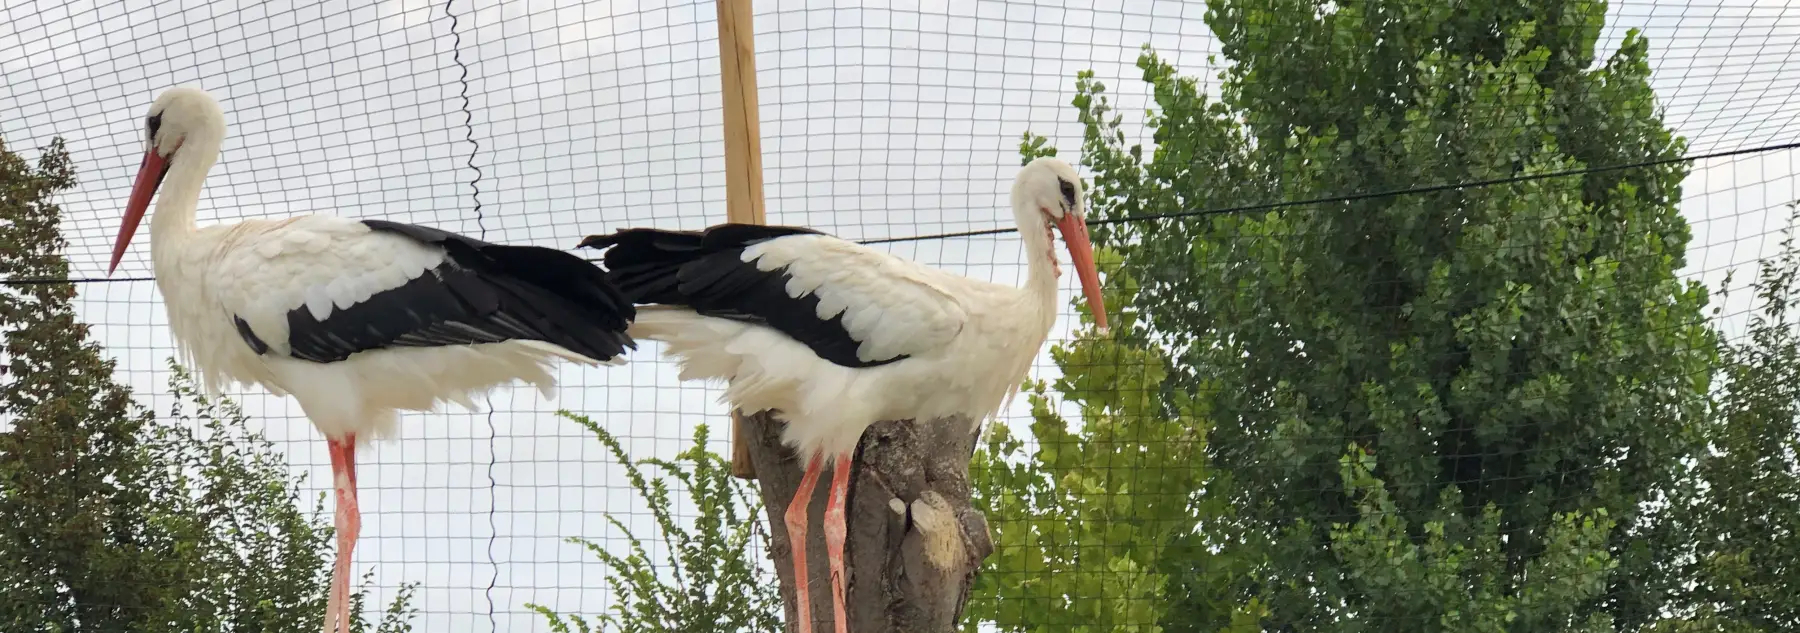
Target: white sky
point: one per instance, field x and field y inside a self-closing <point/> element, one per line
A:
<point x="876" y="122"/>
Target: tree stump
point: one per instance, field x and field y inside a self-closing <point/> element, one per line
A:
<point x="914" y="542"/>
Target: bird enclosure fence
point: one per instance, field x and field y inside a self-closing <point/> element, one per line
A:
<point x="1426" y="314"/>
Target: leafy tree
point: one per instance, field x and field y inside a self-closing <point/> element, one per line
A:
<point x="1743" y="516"/>
<point x="110" y="521"/>
<point x="74" y="557"/>
<point x="1453" y="409"/>
<point x="714" y="581"/>
<point x="1105" y="519"/>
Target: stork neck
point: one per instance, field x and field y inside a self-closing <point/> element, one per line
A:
<point x="179" y="195"/>
<point x="1040" y="255"/>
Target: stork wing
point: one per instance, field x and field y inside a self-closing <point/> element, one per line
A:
<point x="321" y="288"/>
<point x="891" y="307"/>
<point x="852" y="305"/>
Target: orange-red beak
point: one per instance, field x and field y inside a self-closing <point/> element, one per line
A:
<point x="1081" y="254"/>
<point x="150" y="176"/>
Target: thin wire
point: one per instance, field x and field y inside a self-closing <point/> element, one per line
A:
<point x="33" y="281"/>
<point x="481" y="225"/>
<point x="1360" y="196"/>
<point x="1264" y="206"/>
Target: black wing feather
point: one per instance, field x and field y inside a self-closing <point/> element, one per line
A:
<point x="482" y="293"/>
<point x="705" y="271"/>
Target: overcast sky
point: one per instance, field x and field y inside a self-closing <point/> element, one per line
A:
<point x="588" y="117"/>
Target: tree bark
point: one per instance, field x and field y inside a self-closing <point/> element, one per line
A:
<point x="914" y="541"/>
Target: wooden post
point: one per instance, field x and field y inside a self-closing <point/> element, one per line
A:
<point x="743" y="156"/>
<point x="913" y="541"/>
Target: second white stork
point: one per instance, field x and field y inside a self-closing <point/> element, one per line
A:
<point x="357" y="320"/>
<point x="834" y="336"/>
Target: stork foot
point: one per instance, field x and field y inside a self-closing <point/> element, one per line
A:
<point x="348" y="521"/>
<point x="796" y="520"/>
<point x="835" y="534"/>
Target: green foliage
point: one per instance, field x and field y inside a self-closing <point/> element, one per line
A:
<point x="1456" y="569"/>
<point x="1443" y="411"/>
<point x="1094" y="528"/>
<point x="1744" y="516"/>
<point x="110" y="521"/>
<point x="265" y="563"/>
<point x="69" y="551"/>
<point x="397" y="618"/>
<point x="716" y="583"/>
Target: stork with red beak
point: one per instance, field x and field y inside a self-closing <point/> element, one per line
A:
<point x="357" y="320"/>
<point x="834" y="336"/>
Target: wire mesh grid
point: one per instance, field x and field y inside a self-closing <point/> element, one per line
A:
<point x="544" y="122"/>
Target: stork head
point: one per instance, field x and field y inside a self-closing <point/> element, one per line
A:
<point x="1047" y="194"/>
<point x="182" y="122"/>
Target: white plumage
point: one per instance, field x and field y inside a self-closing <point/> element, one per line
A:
<point x="357" y="320"/>
<point x="260" y="270"/>
<point x="834" y="336"/>
<point x="969" y="343"/>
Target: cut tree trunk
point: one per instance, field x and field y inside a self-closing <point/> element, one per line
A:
<point x="914" y="542"/>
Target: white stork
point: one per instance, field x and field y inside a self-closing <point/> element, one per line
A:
<point x="836" y="336"/>
<point x="357" y="320"/>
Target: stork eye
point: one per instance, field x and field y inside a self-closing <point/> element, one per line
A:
<point x="1068" y="192"/>
<point x="154" y="123"/>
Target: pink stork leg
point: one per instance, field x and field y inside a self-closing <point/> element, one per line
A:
<point x="349" y="525"/>
<point x="835" y="532"/>
<point x="796" y="519"/>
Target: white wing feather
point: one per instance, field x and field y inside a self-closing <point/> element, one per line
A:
<point x="892" y="305"/>
<point x="324" y="263"/>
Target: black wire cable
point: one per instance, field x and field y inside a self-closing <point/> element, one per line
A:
<point x="1363" y="196"/>
<point x="1219" y="211"/>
